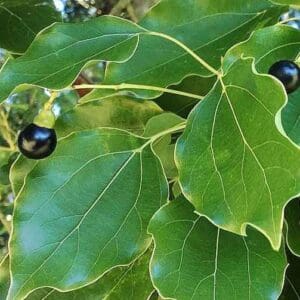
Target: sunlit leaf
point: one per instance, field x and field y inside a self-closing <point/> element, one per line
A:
<point x="65" y="221"/>
<point x="284" y="44"/>
<point x="193" y="259"/>
<point x="234" y="164"/>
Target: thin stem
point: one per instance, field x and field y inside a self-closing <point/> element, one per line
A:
<point x="187" y="49"/>
<point x="124" y="86"/>
<point x="157" y="136"/>
<point x="49" y="103"/>
<point x="288" y="20"/>
<point x="6" y="149"/>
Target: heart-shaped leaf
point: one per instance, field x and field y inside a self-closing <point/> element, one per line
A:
<point x="234" y="164"/>
<point x="98" y="205"/>
<point x="195" y="260"/>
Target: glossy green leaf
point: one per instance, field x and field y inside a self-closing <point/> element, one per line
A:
<point x="292" y="216"/>
<point x="59" y="53"/>
<point x="193" y="259"/>
<point x="229" y="22"/>
<point x="116" y="112"/>
<point x="20" y="22"/>
<point x="284" y="44"/>
<point x="234" y="164"/>
<point x="131" y="282"/>
<point x="98" y="205"/>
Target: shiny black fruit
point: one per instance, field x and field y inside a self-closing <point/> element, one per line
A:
<point x="288" y="73"/>
<point x="37" y="142"/>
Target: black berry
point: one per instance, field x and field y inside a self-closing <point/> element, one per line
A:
<point x="288" y="73"/>
<point x="37" y="142"/>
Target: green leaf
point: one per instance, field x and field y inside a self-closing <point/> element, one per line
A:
<point x="164" y="147"/>
<point x="195" y="260"/>
<point x="284" y="44"/>
<point x="291" y="290"/>
<point x="4" y="277"/>
<point x="229" y="22"/>
<point x="130" y="282"/>
<point x="161" y="123"/>
<point x="183" y="105"/>
<point x="18" y="171"/>
<point x="117" y="112"/>
<point x="59" y="53"/>
<point x="292" y="216"/>
<point x="20" y="22"/>
<point x="99" y="204"/>
<point x="234" y="164"/>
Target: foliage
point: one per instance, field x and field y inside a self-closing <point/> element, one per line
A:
<point x="176" y="173"/>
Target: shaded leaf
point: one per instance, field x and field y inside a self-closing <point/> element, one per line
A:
<point x="292" y="216"/>
<point x="118" y="112"/>
<point x="229" y="22"/>
<point x="284" y="44"/>
<point x="183" y="105"/>
<point x="58" y="214"/>
<point x="20" y="22"/>
<point x="234" y="164"/>
<point x="52" y="61"/>
<point x="291" y="290"/>
<point x="195" y="260"/>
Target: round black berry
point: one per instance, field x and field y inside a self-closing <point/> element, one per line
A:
<point x="37" y="142"/>
<point x="288" y="73"/>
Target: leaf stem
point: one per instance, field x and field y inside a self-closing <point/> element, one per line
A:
<point x="6" y="149"/>
<point x="157" y="136"/>
<point x="187" y="49"/>
<point x="288" y="20"/>
<point x="123" y="86"/>
<point x="49" y="103"/>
